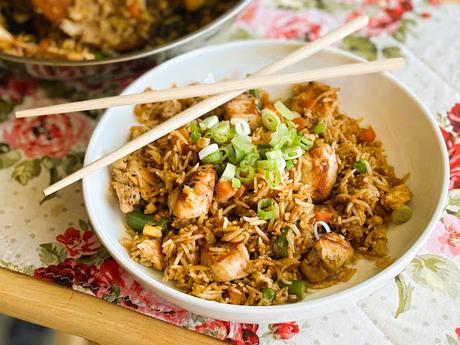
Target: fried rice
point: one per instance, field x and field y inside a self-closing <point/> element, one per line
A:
<point x="331" y="205"/>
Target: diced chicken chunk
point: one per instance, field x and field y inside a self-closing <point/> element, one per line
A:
<point x="151" y="250"/>
<point x="398" y="196"/>
<point x="319" y="170"/>
<point x="328" y="254"/>
<point x="193" y="199"/>
<point x="230" y="266"/>
<point x="128" y="196"/>
<point x="244" y="107"/>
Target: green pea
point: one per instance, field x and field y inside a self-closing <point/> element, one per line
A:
<point x="360" y="166"/>
<point x="268" y="294"/>
<point x="280" y="246"/>
<point x="137" y="219"/>
<point x="401" y="214"/>
<point x="298" y="288"/>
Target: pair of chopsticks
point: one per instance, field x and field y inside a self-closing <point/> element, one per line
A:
<point x="231" y="88"/>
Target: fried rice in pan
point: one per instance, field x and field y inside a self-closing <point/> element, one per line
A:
<point x="259" y="202"/>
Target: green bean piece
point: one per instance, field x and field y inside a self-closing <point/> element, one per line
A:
<point x="268" y="294"/>
<point x="298" y="288"/>
<point x="137" y="219"/>
<point x="401" y="214"/>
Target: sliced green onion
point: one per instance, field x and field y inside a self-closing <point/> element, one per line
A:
<point x="256" y="94"/>
<point x="319" y="128"/>
<point x="194" y="136"/>
<point x="210" y="149"/>
<point x="298" y="288"/>
<point x="229" y="171"/>
<point x="289" y="165"/>
<point x="275" y="154"/>
<point x="295" y="137"/>
<point x="305" y="143"/>
<point x="267" y="164"/>
<point x="209" y="122"/>
<point x="401" y="214"/>
<point x="288" y="114"/>
<point x="250" y="159"/>
<point x="220" y="132"/>
<point x="270" y="120"/>
<point x="241" y="126"/>
<point x="273" y="177"/>
<point x="137" y="220"/>
<point x="267" y="209"/>
<point x="280" y="137"/>
<point x="268" y="294"/>
<point x="292" y="153"/>
<point x="213" y="158"/>
<point x="236" y="183"/>
<point x="245" y="174"/>
<point x="239" y="155"/>
<point x="228" y="153"/>
<point x="360" y="166"/>
<point x="243" y="143"/>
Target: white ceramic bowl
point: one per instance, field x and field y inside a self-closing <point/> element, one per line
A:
<point x="409" y="134"/>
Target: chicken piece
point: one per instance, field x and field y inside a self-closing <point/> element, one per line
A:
<point x="376" y="242"/>
<point x="53" y="10"/>
<point x="329" y="253"/>
<point x="398" y="196"/>
<point x="244" y="107"/>
<point x="229" y="266"/>
<point x="224" y="190"/>
<point x="194" y="197"/>
<point x="150" y="250"/>
<point x="128" y="196"/>
<point x="319" y="170"/>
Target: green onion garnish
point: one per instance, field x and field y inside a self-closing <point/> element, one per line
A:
<point x="229" y="171"/>
<point x="245" y="174"/>
<point x="194" y="136"/>
<point x="209" y="122"/>
<point x="250" y="159"/>
<point x="212" y="158"/>
<point x="270" y="120"/>
<point x="256" y="94"/>
<point x="275" y="154"/>
<point x="241" y="126"/>
<point x="289" y="165"/>
<point x="280" y="137"/>
<point x="360" y="166"/>
<point x="290" y="153"/>
<point x="284" y="110"/>
<point x="243" y="144"/>
<point x="319" y="128"/>
<point x="305" y="143"/>
<point x="220" y="132"/>
<point x="236" y="183"/>
<point x="267" y="209"/>
<point x="273" y="177"/>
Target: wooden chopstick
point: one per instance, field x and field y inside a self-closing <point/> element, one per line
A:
<point x="207" y="105"/>
<point x="215" y="88"/>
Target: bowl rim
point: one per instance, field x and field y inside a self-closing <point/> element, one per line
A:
<point x="224" y="17"/>
<point x="361" y="289"/>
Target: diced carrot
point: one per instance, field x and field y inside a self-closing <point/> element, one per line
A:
<point x="134" y="9"/>
<point x="300" y="122"/>
<point x="224" y="190"/>
<point x="239" y="193"/>
<point x="367" y="134"/>
<point x="264" y="98"/>
<point x="324" y="215"/>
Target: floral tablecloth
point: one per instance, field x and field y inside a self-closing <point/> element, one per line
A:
<point x="53" y="240"/>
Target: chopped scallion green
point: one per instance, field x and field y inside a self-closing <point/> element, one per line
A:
<point x="270" y="120"/>
<point x="319" y="128"/>
<point x="360" y="166"/>
<point x="267" y="209"/>
<point x="283" y="110"/>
